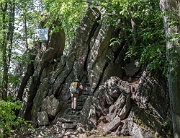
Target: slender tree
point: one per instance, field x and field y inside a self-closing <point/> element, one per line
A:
<point x="25" y="26"/>
<point x="7" y="30"/>
<point x="4" y="50"/>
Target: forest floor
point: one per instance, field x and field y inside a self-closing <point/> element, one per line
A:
<point x="47" y="132"/>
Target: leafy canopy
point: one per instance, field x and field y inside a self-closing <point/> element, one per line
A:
<point x="68" y="12"/>
<point x="142" y="25"/>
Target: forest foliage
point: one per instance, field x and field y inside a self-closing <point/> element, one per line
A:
<point x="8" y="119"/>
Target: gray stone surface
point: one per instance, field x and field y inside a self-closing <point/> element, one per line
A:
<point x="111" y="126"/>
<point x="51" y="105"/>
<point x="42" y="118"/>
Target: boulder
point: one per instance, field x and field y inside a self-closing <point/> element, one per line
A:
<point x="69" y="125"/>
<point x="113" y="124"/>
<point x="92" y="118"/>
<point x="51" y="105"/>
<point x="109" y="99"/>
<point x="42" y="118"/>
<point x="114" y="92"/>
<point x="132" y="129"/>
<point x="126" y="109"/>
<point x="112" y="88"/>
<point x="124" y="86"/>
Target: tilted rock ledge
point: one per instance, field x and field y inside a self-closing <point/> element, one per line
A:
<point x="126" y="99"/>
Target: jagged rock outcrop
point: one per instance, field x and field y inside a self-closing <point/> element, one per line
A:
<point x="136" y="113"/>
<point x="136" y="106"/>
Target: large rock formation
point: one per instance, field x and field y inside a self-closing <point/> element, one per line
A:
<point x="137" y="106"/>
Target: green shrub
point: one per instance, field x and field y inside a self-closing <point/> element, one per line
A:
<point x="8" y="119"/>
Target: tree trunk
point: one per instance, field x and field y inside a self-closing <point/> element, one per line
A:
<point x="8" y="27"/>
<point x="172" y="7"/>
<point x="25" y="29"/>
<point x="4" y="57"/>
<point x="11" y="31"/>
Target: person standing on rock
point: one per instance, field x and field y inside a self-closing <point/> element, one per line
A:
<point x="75" y="88"/>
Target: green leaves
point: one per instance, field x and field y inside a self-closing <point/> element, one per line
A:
<point x="68" y="12"/>
<point x="7" y="116"/>
<point x="154" y="56"/>
<point x="8" y="119"/>
<point x="142" y="22"/>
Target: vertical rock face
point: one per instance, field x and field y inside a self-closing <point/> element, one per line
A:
<point x="173" y="7"/>
<point x="137" y="106"/>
